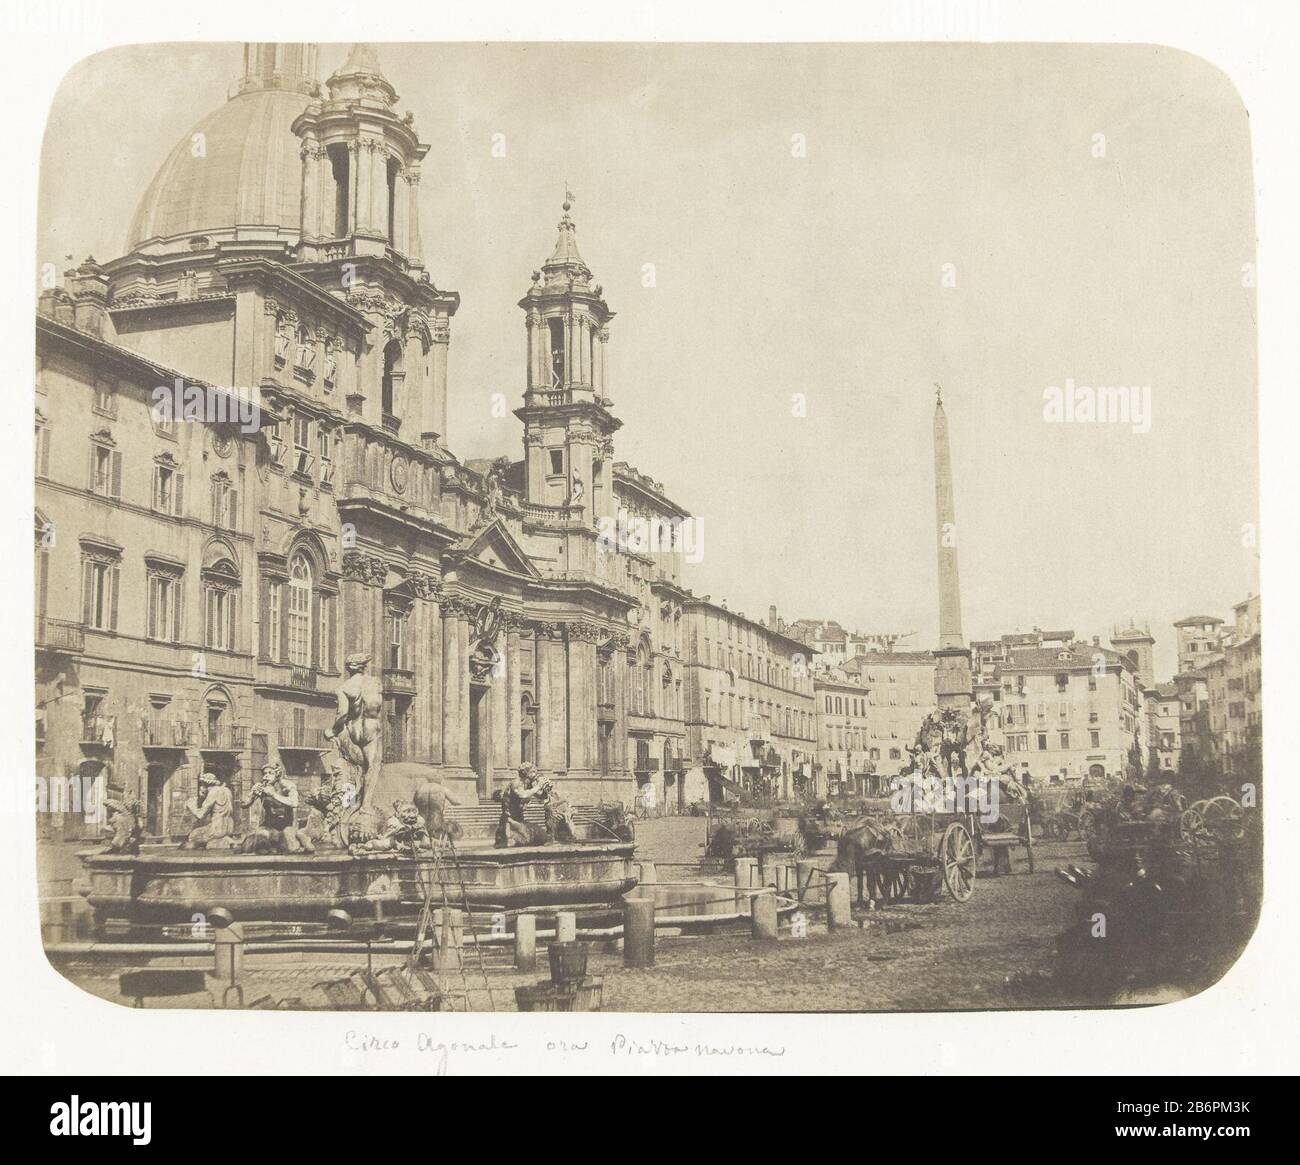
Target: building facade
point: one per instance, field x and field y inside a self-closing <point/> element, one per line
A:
<point x="201" y="580"/>
<point x="750" y="712"/>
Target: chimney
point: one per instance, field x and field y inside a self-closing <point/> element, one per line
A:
<point x="88" y="287"/>
<point x="771" y="616"/>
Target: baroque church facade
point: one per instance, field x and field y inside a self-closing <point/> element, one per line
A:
<point x="200" y="585"/>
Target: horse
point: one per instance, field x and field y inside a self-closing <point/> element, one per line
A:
<point x="861" y="851"/>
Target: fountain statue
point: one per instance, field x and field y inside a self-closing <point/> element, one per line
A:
<point x="214" y="816"/>
<point x="356" y="727"/>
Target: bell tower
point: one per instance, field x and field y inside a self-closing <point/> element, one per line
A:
<point x="361" y="168"/>
<point x="568" y="426"/>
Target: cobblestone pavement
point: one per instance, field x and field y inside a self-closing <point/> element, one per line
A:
<point x="908" y="957"/>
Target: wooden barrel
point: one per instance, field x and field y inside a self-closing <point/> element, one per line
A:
<point x="568" y="962"/>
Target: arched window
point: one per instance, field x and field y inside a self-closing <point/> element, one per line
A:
<point x="300" y="611"/>
<point x="393" y="376"/>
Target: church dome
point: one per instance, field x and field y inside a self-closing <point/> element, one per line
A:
<point x="242" y="178"/>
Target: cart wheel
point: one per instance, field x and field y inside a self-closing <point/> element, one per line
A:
<point x="1223" y="817"/>
<point x="957" y="861"/>
<point x="1191" y="826"/>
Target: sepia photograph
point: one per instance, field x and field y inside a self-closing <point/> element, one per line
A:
<point x="378" y="671"/>
<point x="643" y="526"/>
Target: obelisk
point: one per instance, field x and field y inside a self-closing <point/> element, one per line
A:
<point x="952" y="678"/>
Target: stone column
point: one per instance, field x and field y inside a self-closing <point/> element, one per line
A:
<point x="604" y="365"/>
<point x="432" y="681"/>
<point x="531" y="356"/>
<point x="413" y="246"/>
<point x="514" y="694"/>
<point x="325" y="195"/>
<point x="582" y="700"/>
<point x="570" y="351"/>
<point x="360" y="175"/>
<point x="401" y="209"/>
<point x="379" y="188"/>
<point x="438" y="388"/>
<point x="310" y="206"/>
<point x="455" y="681"/>
<point x="552" y="698"/>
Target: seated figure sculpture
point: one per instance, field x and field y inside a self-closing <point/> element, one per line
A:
<point x="214" y="815"/>
<point x="125" y="827"/>
<point x="513" y="830"/>
<point x="404" y="832"/>
<point x="278" y="800"/>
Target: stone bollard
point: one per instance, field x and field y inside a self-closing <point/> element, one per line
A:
<point x="228" y="960"/>
<point x="566" y="927"/>
<point x="526" y="942"/>
<point x="647" y="877"/>
<point x="745" y="871"/>
<point x="838" y="902"/>
<point x="638" y="931"/>
<point x="812" y="889"/>
<point x="763" y="916"/>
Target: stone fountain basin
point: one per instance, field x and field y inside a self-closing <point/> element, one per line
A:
<point x="171" y="886"/>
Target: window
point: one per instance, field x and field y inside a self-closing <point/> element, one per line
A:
<point x="324" y="439"/>
<point x="105" y="471"/>
<point x="1094" y="738"/>
<point x="42" y="450"/>
<point x="302" y="457"/>
<point x="1042" y="741"/>
<point x="305" y="353"/>
<point x="225" y="503"/>
<point x="557" y="462"/>
<point x="1065" y="740"/>
<point x="339" y="171"/>
<point x="300" y="612"/>
<point x="397" y="640"/>
<point x="168" y="490"/>
<point x="164" y="614"/>
<point x="99" y="586"/>
<point x="274" y="619"/>
<point x="327" y="614"/>
<point x="219" y="617"/>
<point x="105" y="399"/>
<point x="392" y="377"/>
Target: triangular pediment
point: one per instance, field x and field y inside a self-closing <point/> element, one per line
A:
<point x="494" y="547"/>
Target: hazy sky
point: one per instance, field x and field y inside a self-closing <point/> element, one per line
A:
<point x="823" y="274"/>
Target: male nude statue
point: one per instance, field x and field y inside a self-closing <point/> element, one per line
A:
<point x="356" y="727"/>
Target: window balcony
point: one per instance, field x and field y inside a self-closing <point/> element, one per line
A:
<point x="303" y="739"/>
<point x="399" y="680"/>
<point x="98" y="730"/>
<point x="224" y="738"/>
<point x="59" y="636"/>
<point x="168" y="734"/>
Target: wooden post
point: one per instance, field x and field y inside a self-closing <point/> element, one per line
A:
<point x="763" y="916"/>
<point x="838" y="912"/>
<point x="811" y="889"/>
<point x="566" y="927"/>
<point x="638" y="931"/>
<point x="454" y="930"/>
<point x="744" y="882"/>
<point x="526" y="942"/>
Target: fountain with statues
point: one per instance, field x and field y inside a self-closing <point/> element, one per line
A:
<point x="361" y="850"/>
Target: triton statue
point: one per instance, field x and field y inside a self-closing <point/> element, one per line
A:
<point x="356" y="727"/>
